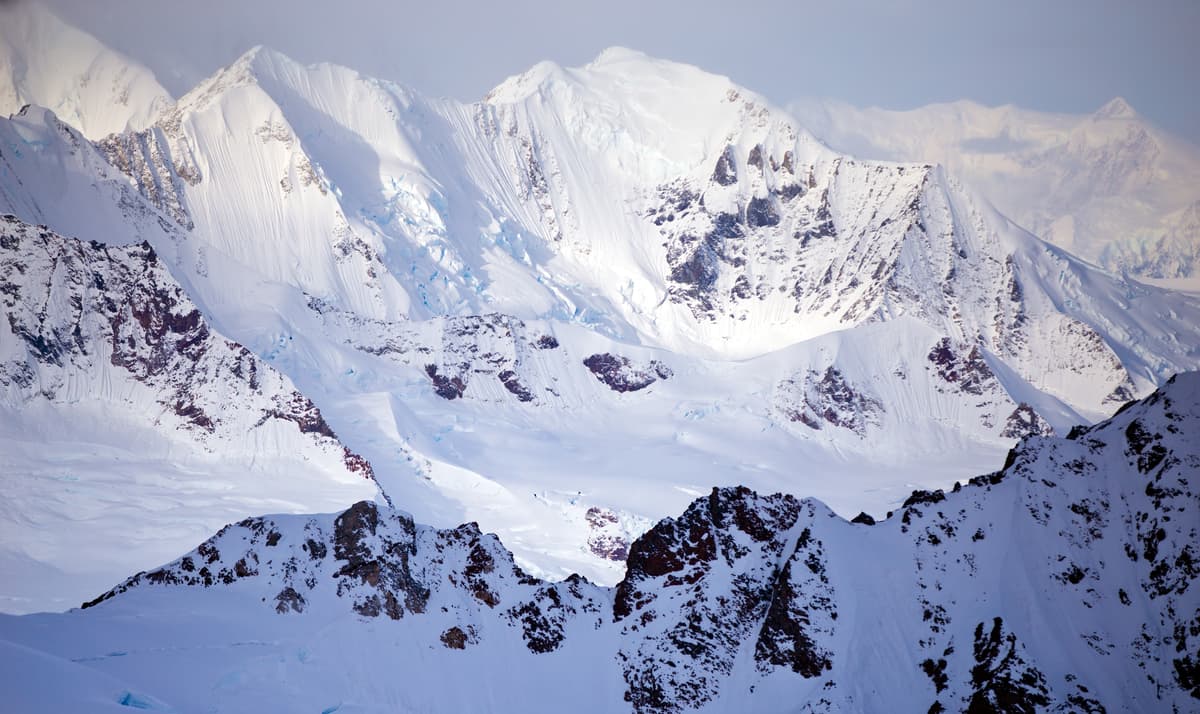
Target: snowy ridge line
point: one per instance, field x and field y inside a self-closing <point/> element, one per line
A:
<point x="350" y="250"/>
<point x="739" y="233"/>
<point x="1065" y="581"/>
<point x="753" y="198"/>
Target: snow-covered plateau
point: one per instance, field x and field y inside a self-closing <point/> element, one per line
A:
<point x="559" y="315"/>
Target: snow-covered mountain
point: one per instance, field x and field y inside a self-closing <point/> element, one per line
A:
<point x="46" y="62"/>
<point x="127" y="426"/>
<point x="1109" y="186"/>
<point x="666" y="205"/>
<point x="559" y="314"/>
<point x="730" y="280"/>
<point x="569" y="308"/>
<point x="1064" y="582"/>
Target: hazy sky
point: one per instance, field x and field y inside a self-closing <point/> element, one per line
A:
<point x="1054" y="55"/>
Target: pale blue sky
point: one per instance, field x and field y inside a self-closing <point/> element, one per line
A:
<point x="1053" y="55"/>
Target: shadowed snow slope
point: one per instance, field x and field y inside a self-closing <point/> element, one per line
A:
<point x="1066" y="581"/>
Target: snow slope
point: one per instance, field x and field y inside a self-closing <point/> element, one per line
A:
<point x="128" y="428"/>
<point x="1065" y="581"/>
<point x="728" y="301"/>
<point x="46" y="62"/>
<point x="1108" y="186"/>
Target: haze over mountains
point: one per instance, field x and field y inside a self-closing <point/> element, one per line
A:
<point x="564" y="312"/>
<point x="1111" y="187"/>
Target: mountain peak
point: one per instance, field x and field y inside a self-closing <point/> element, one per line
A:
<point x="257" y="61"/>
<point x="45" y="61"/>
<point x="260" y="57"/>
<point x="249" y="69"/>
<point x="617" y="70"/>
<point x="630" y="64"/>
<point x="248" y="57"/>
<point x="617" y="54"/>
<point x="520" y="86"/>
<point x="1116" y="108"/>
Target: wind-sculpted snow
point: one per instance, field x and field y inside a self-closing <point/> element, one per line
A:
<point x="1064" y="582"/>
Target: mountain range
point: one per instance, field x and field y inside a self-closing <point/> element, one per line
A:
<point x="597" y="290"/>
<point x="557" y="315"/>
<point x="46" y="62"/>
